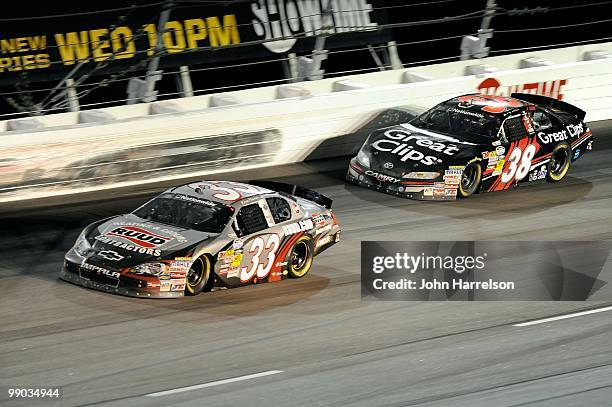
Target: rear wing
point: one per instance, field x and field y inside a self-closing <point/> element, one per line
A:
<point x="295" y="190"/>
<point x="544" y="101"/>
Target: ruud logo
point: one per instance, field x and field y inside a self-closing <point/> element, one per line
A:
<point x="139" y="236"/>
<point x="287" y="19"/>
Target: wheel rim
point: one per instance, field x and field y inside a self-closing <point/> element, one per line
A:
<point x="469" y="179"/>
<point x="559" y="162"/>
<point x="195" y="274"/>
<point x="299" y="257"/>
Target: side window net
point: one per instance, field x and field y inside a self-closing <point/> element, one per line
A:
<point x="251" y="219"/>
<point x="514" y="128"/>
<point x="281" y="212"/>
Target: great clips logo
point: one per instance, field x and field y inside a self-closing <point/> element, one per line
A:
<point x="139" y="236"/>
<point x="413" y="148"/>
<point x="552" y="89"/>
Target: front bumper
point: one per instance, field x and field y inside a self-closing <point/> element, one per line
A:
<point x="124" y="285"/>
<point x="424" y="190"/>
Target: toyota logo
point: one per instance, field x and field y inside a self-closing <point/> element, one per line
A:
<point x="388" y="165"/>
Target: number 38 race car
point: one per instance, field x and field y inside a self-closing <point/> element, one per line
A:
<point x="473" y="143"/>
<point x="194" y="237"/>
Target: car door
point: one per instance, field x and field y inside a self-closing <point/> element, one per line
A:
<point x="253" y="253"/>
<point x="519" y="147"/>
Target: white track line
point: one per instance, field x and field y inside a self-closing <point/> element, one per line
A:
<point x="576" y="314"/>
<point x="216" y="383"/>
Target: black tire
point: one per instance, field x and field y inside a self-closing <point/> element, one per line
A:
<point x="470" y="180"/>
<point x="559" y="163"/>
<point x="199" y="276"/>
<point x="300" y="257"/>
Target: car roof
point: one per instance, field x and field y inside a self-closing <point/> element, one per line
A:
<point x="494" y="105"/>
<point x="225" y="192"/>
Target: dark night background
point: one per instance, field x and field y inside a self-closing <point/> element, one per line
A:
<point x="544" y="15"/>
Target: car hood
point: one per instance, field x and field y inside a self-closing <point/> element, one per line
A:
<point x="402" y="149"/>
<point x="128" y="240"/>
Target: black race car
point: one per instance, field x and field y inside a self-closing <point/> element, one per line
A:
<point x="473" y="143"/>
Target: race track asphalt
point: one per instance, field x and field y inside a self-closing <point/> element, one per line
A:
<point x="333" y="348"/>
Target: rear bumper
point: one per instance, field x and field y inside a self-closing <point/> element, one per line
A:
<point x="419" y="190"/>
<point x="124" y="285"/>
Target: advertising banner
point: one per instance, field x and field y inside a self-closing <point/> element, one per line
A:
<point x="202" y="34"/>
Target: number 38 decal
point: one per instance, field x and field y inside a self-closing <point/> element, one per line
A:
<point x="519" y="163"/>
<point x="263" y="253"/>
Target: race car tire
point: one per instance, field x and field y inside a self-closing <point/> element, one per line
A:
<point x="300" y="257"/>
<point x="470" y="180"/>
<point x="199" y="276"/>
<point x="559" y="163"/>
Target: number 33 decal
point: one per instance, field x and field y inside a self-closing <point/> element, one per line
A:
<point x="519" y="164"/>
<point x="263" y="253"/>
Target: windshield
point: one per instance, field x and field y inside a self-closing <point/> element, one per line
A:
<point x="186" y="212"/>
<point x="450" y="119"/>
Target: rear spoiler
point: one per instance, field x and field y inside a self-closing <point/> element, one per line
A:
<point x="295" y="190"/>
<point x="544" y="101"/>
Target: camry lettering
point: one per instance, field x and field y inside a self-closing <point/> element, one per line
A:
<point x="382" y="177"/>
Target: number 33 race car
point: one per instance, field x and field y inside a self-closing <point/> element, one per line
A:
<point x="205" y="234"/>
<point x="473" y="143"/>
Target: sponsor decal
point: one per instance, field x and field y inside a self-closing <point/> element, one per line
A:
<point x="450" y="192"/>
<point x="164" y="285"/>
<point x="388" y="165"/>
<point x="438" y="189"/>
<point x="237" y="244"/>
<point x="538" y="174"/>
<point x="499" y="167"/>
<point x="100" y="270"/>
<point x="552" y="89"/>
<point x="177" y="285"/>
<point x="110" y="255"/>
<point x="233" y="272"/>
<point x="324" y="240"/>
<point x="232" y="257"/>
<point x="589" y="146"/>
<point x="428" y="191"/>
<point x="489" y="154"/>
<point x="324" y="229"/>
<point x="156" y="228"/>
<point x="575" y="129"/>
<point x="128" y="247"/>
<point x="452" y="177"/>
<point x="193" y="199"/>
<point x="576" y="154"/>
<point x="547" y="138"/>
<point x="139" y="236"/>
<point x="338" y="236"/>
<point x="413" y="147"/>
<point x="297" y="227"/>
<point x="467" y="112"/>
<point x="318" y="219"/>
<point x="382" y="177"/>
<point x="500" y="150"/>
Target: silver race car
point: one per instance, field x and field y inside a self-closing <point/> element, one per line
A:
<point x="203" y="235"/>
